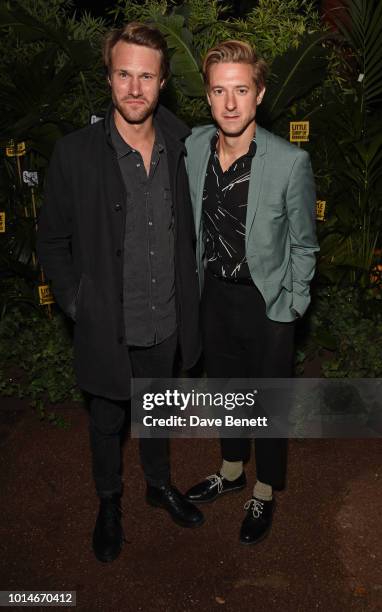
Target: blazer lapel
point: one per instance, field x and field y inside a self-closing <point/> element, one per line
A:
<point x="256" y="177"/>
<point x="204" y="156"/>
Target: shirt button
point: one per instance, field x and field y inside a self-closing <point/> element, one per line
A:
<point x="138" y="165"/>
<point x="118" y="253"/>
<point x="153" y="280"/>
<point x="151" y="253"/>
<point x="150" y="222"/>
<point x="153" y="307"/>
<point x="117" y="207"/>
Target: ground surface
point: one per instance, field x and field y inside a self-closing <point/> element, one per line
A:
<point x="324" y="551"/>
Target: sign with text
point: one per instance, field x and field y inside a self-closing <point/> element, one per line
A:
<point x="320" y="210"/>
<point x="15" y="150"/>
<point x="45" y="295"/>
<point x="299" y="131"/>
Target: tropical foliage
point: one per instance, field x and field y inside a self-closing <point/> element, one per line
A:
<point x="350" y="132"/>
<point x="52" y="82"/>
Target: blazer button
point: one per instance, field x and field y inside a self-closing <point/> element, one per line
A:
<point x="120" y="339"/>
<point x="118" y="253"/>
<point x="121" y="298"/>
<point x="117" y="207"/>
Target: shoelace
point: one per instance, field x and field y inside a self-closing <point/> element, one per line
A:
<point x="216" y="480"/>
<point x="258" y="507"/>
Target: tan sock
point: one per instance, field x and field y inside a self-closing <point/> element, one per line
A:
<point x="231" y="469"/>
<point x="262" y="491"/>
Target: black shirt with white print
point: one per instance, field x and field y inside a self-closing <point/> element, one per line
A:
<point x="225" y="198"/>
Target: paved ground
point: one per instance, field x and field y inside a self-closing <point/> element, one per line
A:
<point x="324" y="551"/>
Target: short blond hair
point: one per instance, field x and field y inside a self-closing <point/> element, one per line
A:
<point x="236" y="51"/>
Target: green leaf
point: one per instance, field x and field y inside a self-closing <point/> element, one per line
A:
<point x="184" y="66"/>
<point x="294" y="74"/>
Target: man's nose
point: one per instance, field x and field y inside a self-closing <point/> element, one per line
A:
<point x="135" y="88"/>
<point x="230" y="101"/>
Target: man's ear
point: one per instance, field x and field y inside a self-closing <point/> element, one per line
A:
<point x="108" y="80"/>
<point x="208" y="98"/>
<point x="162" y="83"/>
<point x="260" y="96"/>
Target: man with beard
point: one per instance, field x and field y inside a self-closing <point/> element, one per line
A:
<point x="116" y="239"/>
<point x="254" y="207"/>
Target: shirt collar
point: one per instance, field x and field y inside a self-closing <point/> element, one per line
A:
<point x="122" y="148"/>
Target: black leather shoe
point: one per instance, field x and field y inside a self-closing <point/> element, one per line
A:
<point x="108" y="534"/>
<point x="181" y="511"/>
<point x="257" y="523"/>
<point x="213" y="486"/>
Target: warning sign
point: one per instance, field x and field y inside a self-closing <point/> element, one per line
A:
<point x="45" y="294"/>
<point x="320" y="210"/>
<point x="299" y="131"/>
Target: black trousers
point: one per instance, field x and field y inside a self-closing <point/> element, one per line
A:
<point x="107" y="420"/>
<point x="241" y="342"/>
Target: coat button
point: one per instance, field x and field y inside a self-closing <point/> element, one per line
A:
<point x="118" y="253"/>
<point x="117" y="207"/>
<point x="120" y="339"/>
<point x="121" y="298"/>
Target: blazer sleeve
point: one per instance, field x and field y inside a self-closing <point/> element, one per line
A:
<point x="301" y="210"/>
<point x="55" y="230"/>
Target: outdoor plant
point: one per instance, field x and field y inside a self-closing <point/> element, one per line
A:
<point x="350" y="126"/>
<point x="52" y="81"/>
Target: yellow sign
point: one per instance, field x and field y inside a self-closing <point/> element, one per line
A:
<point x="2" y="222"/>
<point x="299" y="131"/>
<point x="17" y="150"/>
<point x="45" y="294"/>
<point x="320" y="210"/>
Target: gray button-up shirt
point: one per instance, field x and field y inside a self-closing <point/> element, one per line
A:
<point x="148" y="253"/>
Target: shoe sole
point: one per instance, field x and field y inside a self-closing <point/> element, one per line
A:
<point x="207" y="501"/>
<point x="260" y="539"/>
<point x="177" y="521"/>
<point x="107" y="558"/>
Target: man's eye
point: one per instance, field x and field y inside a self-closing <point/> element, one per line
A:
<point x="218" y="92"/>
<point x="147" y="77"/>
<point x="243" y="90"/>
<point x="123" y="75"/>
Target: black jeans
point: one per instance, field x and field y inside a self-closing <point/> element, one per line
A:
<point x="241" y="342"/>
<point x="107" y="419"/>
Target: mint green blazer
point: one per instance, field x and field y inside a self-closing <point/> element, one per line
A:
<point x="280" y="233"/>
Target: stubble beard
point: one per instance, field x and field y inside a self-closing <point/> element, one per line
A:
<point x="138" y="115"/>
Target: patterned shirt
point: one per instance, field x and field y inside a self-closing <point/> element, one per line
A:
<point x="225" y="198"/>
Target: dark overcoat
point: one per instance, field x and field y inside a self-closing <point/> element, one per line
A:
<point x="80" y="246"/>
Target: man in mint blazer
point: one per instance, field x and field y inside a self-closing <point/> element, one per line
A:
<point x="253" y="200"/>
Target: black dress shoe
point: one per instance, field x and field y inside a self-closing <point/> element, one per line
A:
<point x="181" y="511"/>
<point x="213" y="486"/>
<point x="108" y="533"/>
<point x="258" y="521"/>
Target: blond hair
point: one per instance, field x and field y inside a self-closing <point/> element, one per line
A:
<point x="236" y="51"/>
